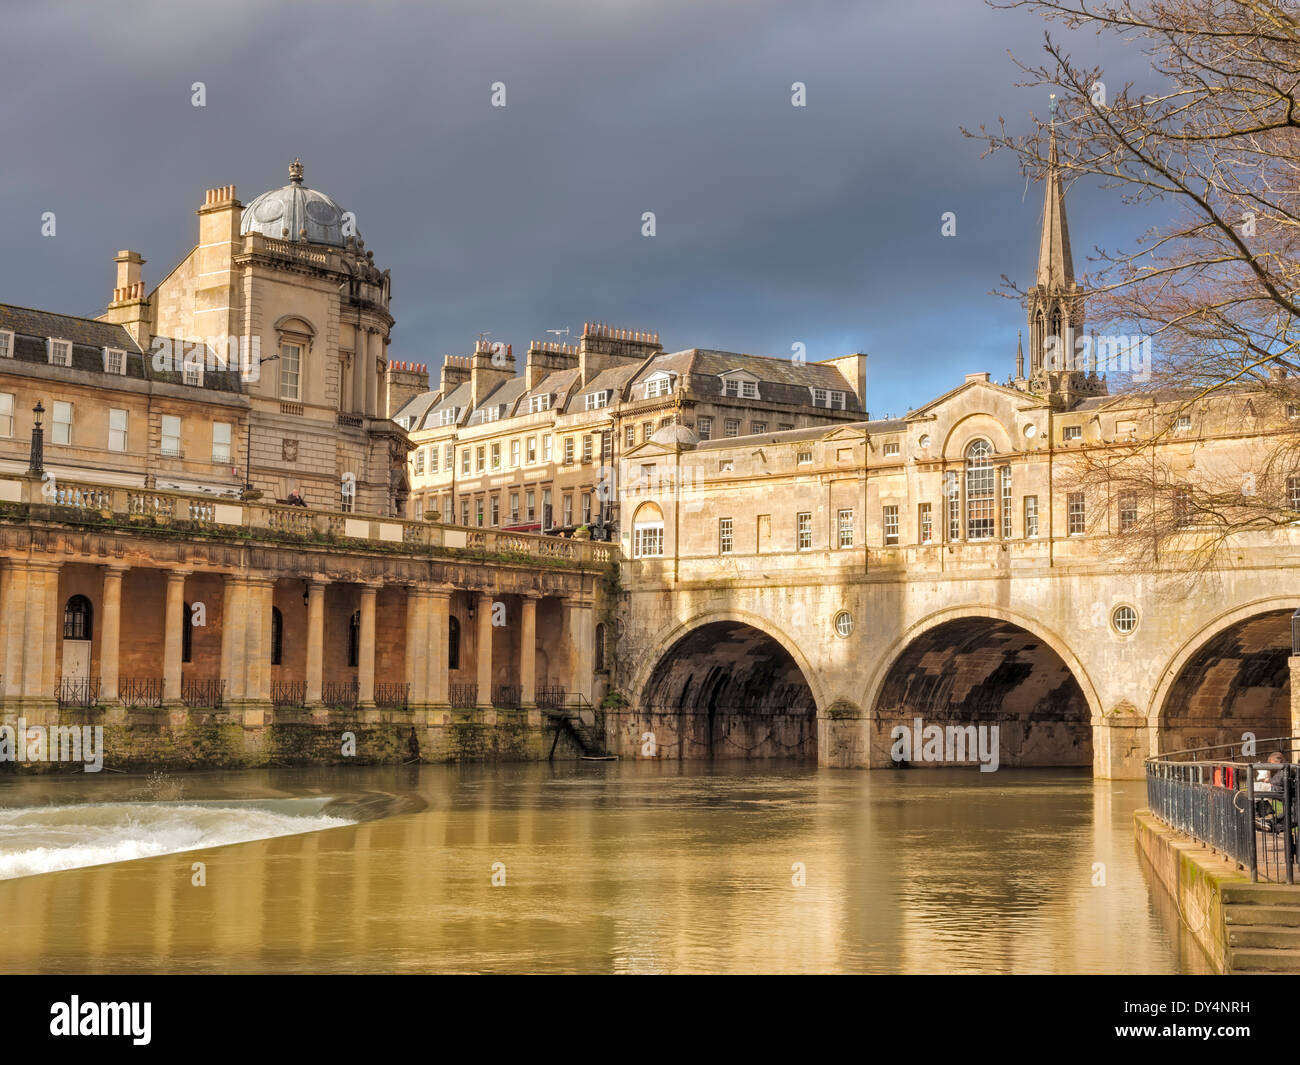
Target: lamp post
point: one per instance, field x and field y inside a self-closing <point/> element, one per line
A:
<point x="36" y="465"/>
<point x="248" y="445"/>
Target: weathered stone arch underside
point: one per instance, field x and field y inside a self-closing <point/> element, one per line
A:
<point x="984" y="672"/>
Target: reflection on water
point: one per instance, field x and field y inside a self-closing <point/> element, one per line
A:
<point x="620" y="867"/>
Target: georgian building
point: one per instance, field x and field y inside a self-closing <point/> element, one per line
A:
<point x="539" y="451"/>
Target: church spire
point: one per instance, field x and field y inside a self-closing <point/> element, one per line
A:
<point x="1055" y="264"/>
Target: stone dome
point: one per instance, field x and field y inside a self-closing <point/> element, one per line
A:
<point x="290" y="212"/>
<point x="675" y="436"/>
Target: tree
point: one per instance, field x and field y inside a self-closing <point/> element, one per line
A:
<point x="1212" y="144"/>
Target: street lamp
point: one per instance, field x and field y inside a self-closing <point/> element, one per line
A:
<point x="248" y="446"/>
<point x="36" y="465"/>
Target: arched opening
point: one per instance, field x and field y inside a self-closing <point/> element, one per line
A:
<point x="277" y="636"/>
<point x="648" y="531"/>
<point x="728" y="690"/>
<point x="453" y="643"/>
<point x="977" y="689"/>
<point x="354" y="639"/>
<point x="78" y="618"/>
<point x="187" y="633"/>
<point x="980" y="501"/>
<point x="1238" y="682"/>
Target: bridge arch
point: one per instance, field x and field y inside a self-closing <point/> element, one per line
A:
<point x="728" y="684"/>
<point x="985" y="666"/>
<point x="1232" y="676"/>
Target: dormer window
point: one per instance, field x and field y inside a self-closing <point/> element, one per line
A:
<point x="739" y="385"/>
<point x="491" y="414"/>
<point x="828" y="398"/>
<point x="596" y="400"/>
<point x="660" y="384"/>
<point x="537" y="404"/>
<point x="60" y="352"/>
<point x="114" y="361"/>
<point x="6" y="344"/>
<point x="449" y="416"/>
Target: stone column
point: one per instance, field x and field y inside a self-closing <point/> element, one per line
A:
<point x="173" y="620"/>
<point x="369" y="370"/>
<point x="33" y="632"/>
<point x="417" y="642"/>
<point x="16" y="577"/>
<point x="257" y="655"/>
<point x="528" y="652"/>
<point x="315" y="641"/>
<point x="110" y="634"/>
<point x="435" y="658"/>
<point x="366" y="647"/>
<point x="1294" y="662"/>
<point x="234" y="636"/>
<point x="483" y="650"/>
<point x="53" y="630"/>
<point x="580" y="641"/>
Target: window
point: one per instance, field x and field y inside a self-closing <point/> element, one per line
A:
<point x="952" y="493"/>
<point x="187" y="633"/>
<point x="6" y="344"/>
<point x="347" y="495"/>
<point x="980" y="504"/>
<point x="731" y="427"/>
<point x="78" y="616"/>
<point x="6" y="414"/>
<point x="1031" y="516"/>
<point x="805" y="458"/>
<point x="277" y="637"/>
<point x="354" y="638"/>
<point x="724" y="536"/>
<point x="1072" y="432"/>
<point x="478" y="511"/>
<point x="1292" y="411"/>
<point x="1006" y="502"/>
<point x="548" y="519"/>
<point x="492" y="413"/>
<point x="537" y="404"/>
<point x="449" y="416"/>
<point x="514" y="508"/>
<point x="530" y="449"/>
<point x="530" y="503"/>
<point x="586" y="449"/>
<point x="629" y="436"/>
<point x="171" y="435"/>
<point x="419" y="508"/>
<point x="448" y="510"/>
<point x="735" y="386"/>
<point x="568" y="509"/>
<point x="433" y="459"/>
<point x="1293" y="492"/>
<point x="464" y="511"/>
<point x="891" y="449"/>
<point x="647" y="431"/>
<point x="514" y="452"/>
<point x="1184" y="423"/>
<point x="596" y="400"/>
<point x="192" y="367"/>
<point x="546" y="449"/>
<point x="606" y="446"/>
<point x="1182" y="508"/>
<point x="453" y="643"/>
<point x="418" y="461"/>
<point x="757" y="427"/>
<point x="290" y="368"/>
<point x="648" y="532"/>
<point x="664" y="422"/>
<point x="803" y="531"/>
<point x="748" y="390"/>
<point x="62" y="429"/>
<point x="586" y="508"/>
<point x="496" y="510"/>
<point x="114" y="360"/>
<point x="823" y="397"/>
<point x="1124" y="619"/>
<point x="924" y="523"/>
<point x="843" y="623"/>
<point x="568" y="451"/>
<point x="60" y="353"/>
<point x="844" y="524"/>
<point x="731" y="387"/>
<point x="496" y="456"/>
<point x="1128" y="510"/>
<point x="704" y="428"/>
<point x="464" y="461"/>
<point x="480" y="459"/>
<point x="450" y="456"/>
<point x="598" y="658"/>
<point x="891" y="526"/>
<point x="116" y="429"/>
<point x="658" y="386"/>
<point x="1074" y="513"/>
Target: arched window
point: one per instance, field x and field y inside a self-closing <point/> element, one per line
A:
<point x="1055" y="348"/>
<point x="648" y="532"/>
<point x="354" y="638"/>
<point x="453" y="643"/>
<point x="78" y="617"/>
<point x="600" y="647"/>
<point x="187" y="633"/>
<point x="981" y="502"/>
<point x="277" y="636"/>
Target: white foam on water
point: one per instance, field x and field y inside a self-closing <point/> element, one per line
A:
<point x="43" y="839"/>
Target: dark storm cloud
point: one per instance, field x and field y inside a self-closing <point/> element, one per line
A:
<point x="776" y="225"/>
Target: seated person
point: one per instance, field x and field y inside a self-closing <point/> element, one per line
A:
<point x="1271" y="779"/>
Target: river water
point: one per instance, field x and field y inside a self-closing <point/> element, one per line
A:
<point x="614" y="867"/>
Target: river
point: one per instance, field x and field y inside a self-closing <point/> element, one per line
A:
<point x="614" y="867"/>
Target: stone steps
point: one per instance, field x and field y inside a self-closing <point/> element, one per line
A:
<point x="1258" y="960"/>
<point x="1263" y="926"/>
<point x="1236" y="913"/>
<point x="1266" y="936"/>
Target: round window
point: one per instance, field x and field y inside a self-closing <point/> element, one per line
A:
<point x="843" y="623"/>
<point x="924" y="441"/>
<point x="1031" y="430"/>
<point x="1125" y="619"/>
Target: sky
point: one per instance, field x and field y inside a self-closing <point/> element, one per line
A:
<point x="775" y="225"/>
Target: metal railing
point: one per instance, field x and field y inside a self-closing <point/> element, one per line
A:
<point x="140" y="691"/>
<point x="507" y="696"/>
<point x="1245" y="806"/>
<point x="340" y="694"/>
<point x="288" y="692"/>
<point x="78" y="691"/>
<point x="464" y="696"/>
<point x="391" y="695"/>
<point x="204" y="693"/>
<point x="551" y="698"/>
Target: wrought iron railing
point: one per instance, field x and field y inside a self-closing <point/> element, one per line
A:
<point x="462" y="695"/>
<point x="340" y="694"/>
<point x="1245" y="807"/>
<point x="288" y="692"/>
<point x="551" y="698"/>
<point x="78" y="691"/>
<point x="140" y="691"/>
<point x="507" y="696"/>
<point x="204" y="693"/>
<point x="392" y="695"/>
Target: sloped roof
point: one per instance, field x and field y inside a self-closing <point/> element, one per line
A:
<point x="504" y="395"/>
